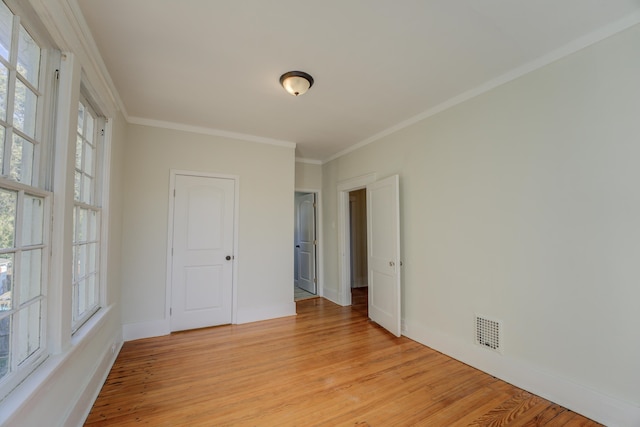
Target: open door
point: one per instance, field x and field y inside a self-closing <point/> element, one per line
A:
<point x="383" y="231"/>
<point x="305" y="251"/>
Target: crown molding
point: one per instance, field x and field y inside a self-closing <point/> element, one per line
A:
<point x="566" y="50"/>
<point x="65" y="23"/>
<point x="209" y="131"/>
<point x="308" y="161"/>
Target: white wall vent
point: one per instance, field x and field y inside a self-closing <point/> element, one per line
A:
<point x="489" y="333"/>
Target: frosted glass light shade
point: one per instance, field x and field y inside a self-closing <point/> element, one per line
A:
<point x="296" y="82"/>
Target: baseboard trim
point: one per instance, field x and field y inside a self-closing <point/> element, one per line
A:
<point x="576" y="397"/>
<point x="153" y="328"/>
<point x="247" y="315"/>
<point x="157" y="328"/>
<point x="332" y="295"/>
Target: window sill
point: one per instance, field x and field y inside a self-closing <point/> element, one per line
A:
<point x="51" y="369"/>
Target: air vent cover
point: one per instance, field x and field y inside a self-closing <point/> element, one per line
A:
<point x="488" y="333"/>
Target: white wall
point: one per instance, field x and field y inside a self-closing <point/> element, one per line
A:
<point x="308" y="176"/>
<point x="522" y="204"/>
<point x="265" y="253"/>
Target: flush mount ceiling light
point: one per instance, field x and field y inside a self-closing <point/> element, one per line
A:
<point x="296" y="82"/>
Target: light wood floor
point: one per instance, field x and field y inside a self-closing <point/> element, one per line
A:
<point x="328" y="366"/>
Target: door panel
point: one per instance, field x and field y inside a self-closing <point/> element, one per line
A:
<point x="306" y="245"/>
<point x="201" y="281"/>
<point x="383" y="228"/>
<point x="198" y="293"/>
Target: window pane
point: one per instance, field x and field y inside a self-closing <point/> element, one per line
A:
<point x="87" y="193"/>
<point x="80" y="118"/>
<point x="88" y="159"/>
<point x="30" y="275"/>
<point x="6" y="24"/>
<point x="74" y="303"/>
<point x="91" y="258"/>
<point x="89" y="131"/>
<point x="4" y="78"/>
<point x="5" y="343"/>
<point x="6" y="281"/>
<point x="21" y="160"/>
<point x="76" y="253"/>
<point x="77" y="186"/>
<point x="8" y="200"/>
<point x="79" y="262"/>
<point x="82" y="297"/>
<point x="93" y="226"/>
<point x="82" y="261"/>
<point x="81" y="226"/>
<point x="2" y="133"/>
<point x="29" y="340"/>
<point x="92" y="292"/>
<point x="28" y="57"/>
<point x="32" y="220"/>
<point x="79" y="153"/>
<point x="24" y="114"/>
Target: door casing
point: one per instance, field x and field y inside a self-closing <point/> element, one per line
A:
<point x="344" y="238"/>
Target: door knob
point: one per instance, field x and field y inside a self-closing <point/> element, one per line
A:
<point x="228" y="258"/>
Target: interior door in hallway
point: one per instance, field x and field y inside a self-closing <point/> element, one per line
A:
<point x="307" y="243"/>
<point x="383" y="246"/>
<point x="202" y="262"/>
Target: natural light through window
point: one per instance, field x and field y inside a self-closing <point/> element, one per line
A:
<point x="23" y="205"/>
<point x="86" y="216"/>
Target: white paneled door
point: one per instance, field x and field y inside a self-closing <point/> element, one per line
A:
<point x="383" y="232"/>
<point x="202" y="262"/>
<point x="305" y="255"/>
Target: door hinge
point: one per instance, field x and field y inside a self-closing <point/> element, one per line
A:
<point x="315" y="242"/>
<point x="170" y="311"/>
<point x="57" y="74"/>
<point x="315" y="280"/>
<point x="174" y="192"/>
<point x="314" y="205"/>
<point x="171" y="251"/>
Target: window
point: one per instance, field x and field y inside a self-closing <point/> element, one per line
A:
<point x="23" y="206"/>
<point x="86" y="216"/>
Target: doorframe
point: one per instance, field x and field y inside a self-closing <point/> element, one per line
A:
<point x="234" y="274"/>
<point x="319" y="251"/>
<point x="344" y="232"/>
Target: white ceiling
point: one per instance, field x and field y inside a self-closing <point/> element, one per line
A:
<point x="377" y="64"/>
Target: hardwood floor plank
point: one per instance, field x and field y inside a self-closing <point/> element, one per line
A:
<point x="545" y="416"/>
<point x="516" y="407"/>
<point x="327" y="366"/>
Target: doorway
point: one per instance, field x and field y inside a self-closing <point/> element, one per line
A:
<point x="358" y="250"/>
<point x="305" y="275"/>
<point x="383" y="248"/>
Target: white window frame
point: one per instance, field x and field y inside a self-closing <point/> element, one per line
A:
<point x="40" y="180"/>
<point x="95" y="205"/>
<point x="19" y="371"/>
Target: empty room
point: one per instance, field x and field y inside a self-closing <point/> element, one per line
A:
<point x="356" y="212"/>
